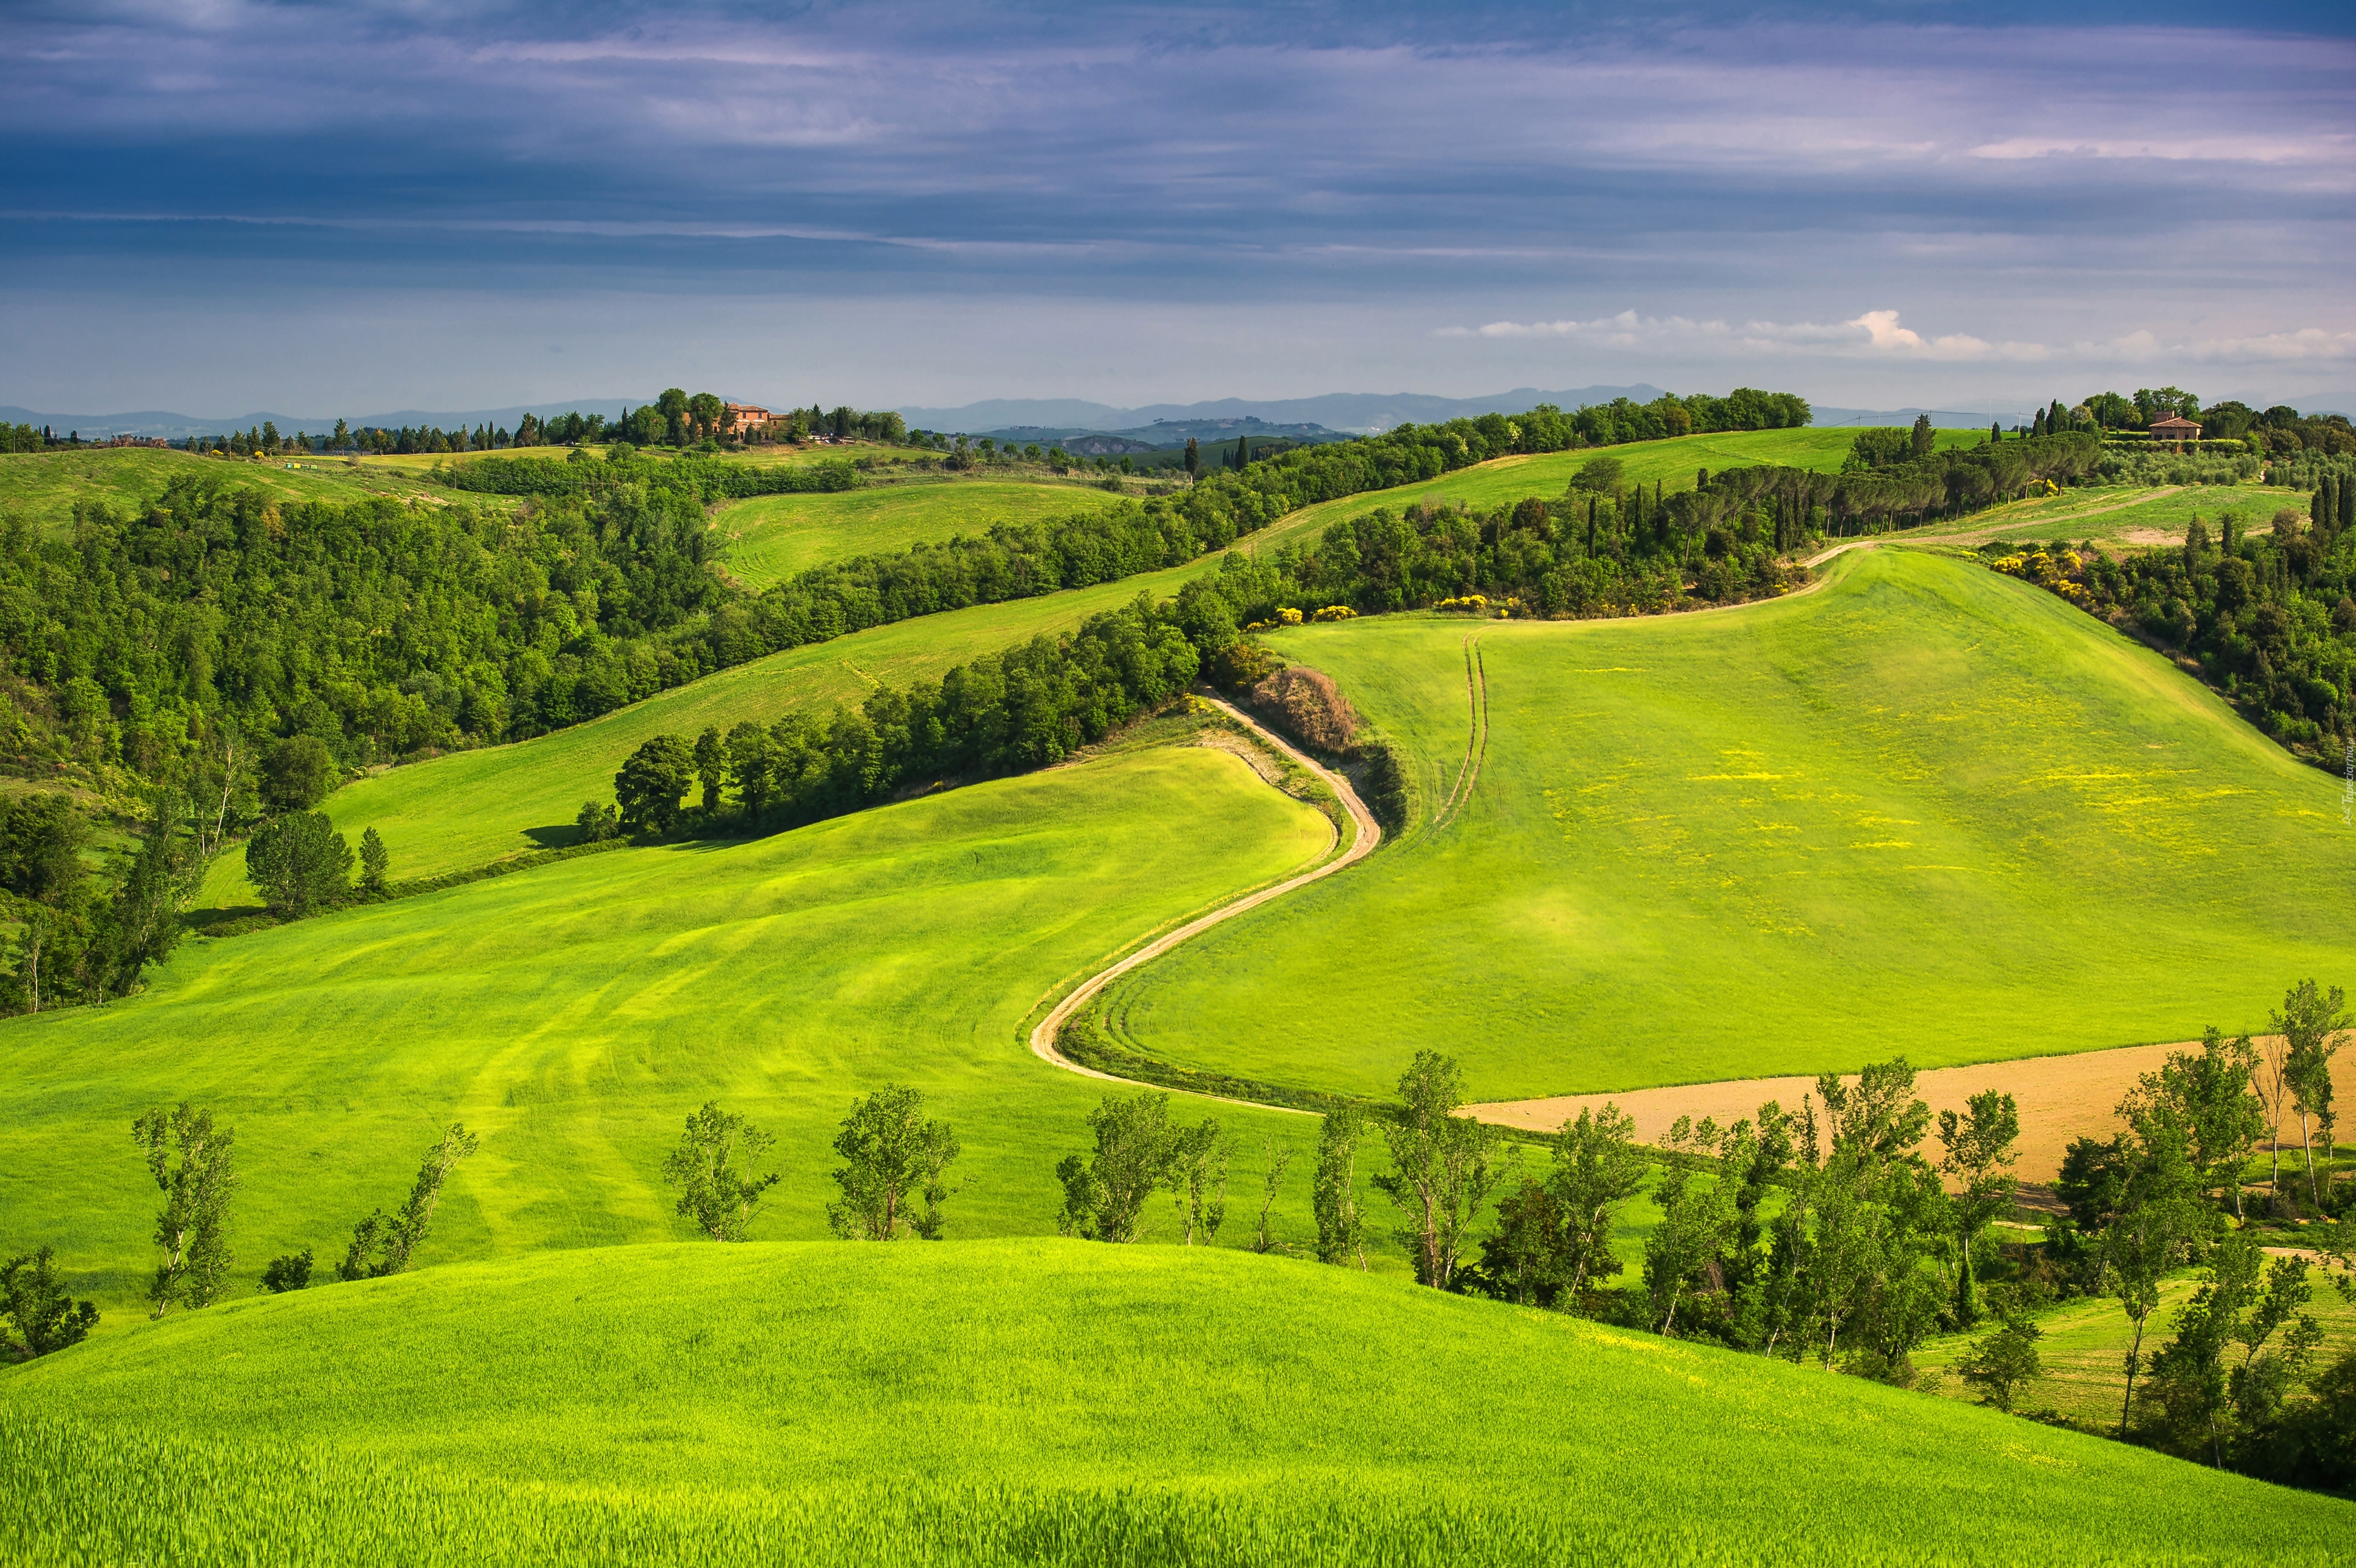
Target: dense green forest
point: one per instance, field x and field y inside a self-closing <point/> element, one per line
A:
<point x="2271" y="618"/>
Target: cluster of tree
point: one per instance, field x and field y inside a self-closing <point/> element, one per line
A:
<point x="21" y="438"/>
<point x="85" y="937"/>
<point x="705" y="478"/>
<point x="1026" y="707"/>
<point x="380" y="630"/>
<point x="2271" y="617"/>
<point x="2277" y="431"/>
<point x="296" y="858"/>
<point x="2232" y="1386"/>
<point x="895" y="1157"/>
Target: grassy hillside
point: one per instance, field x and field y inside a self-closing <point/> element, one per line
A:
<point x="1924" y="808"/>
<point x="576" y="1015"/>
<point x="473" y="807"/>
<point x="2123" y="517"/>
<point x="1064" y="1401"/>
<point x="770" y="538"/>
<point x="1669" y="463"/>
<point x="42" y="487"/>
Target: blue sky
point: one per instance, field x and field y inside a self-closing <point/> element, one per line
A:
<point x="219" y="205"/>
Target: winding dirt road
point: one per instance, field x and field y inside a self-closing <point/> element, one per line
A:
<point x="1370" y="833"/>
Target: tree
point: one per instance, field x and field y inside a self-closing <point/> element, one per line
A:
<point x="1194" y="460"/>
<point x="1333" y="1190"/>
<point x="891" y="1157"/>
<point x="2147" y="1240"/>
<point x="382" y="1244"/>
<point x="1104" y="1193"/>
<point x="287" y="1271"/>
<point x="712" y="1169"/>
<point x="1442" y="1166"/>
<point x="2198" y="1387"/>
<point x="296" y="773"/>
<point x="711" y="767"/>
<point x="749" y="766"/>
<point x="142" y="924"/>
<point x="1197" y="1179"/>
<point x="38" y="1315"/>
<point x="194" y="1168"/>
<point x="1920" y="440"/>
<point x="704" y="411"/>
<point x="2002" y="1363"/>
<point x="374" y="863"/>
<point x="2312" y="1026"/>
<point x="1243" y="452"/>
<point x="41" y="841"/>
<point x="672" y="406"/>
<point x="1697" y="1221"/>
<point x="595" y="823"/>
<point x="1978" y="1157"/>
<point x="1597" y="1169"/>
<point x="2206" y="1103"/>
<point x="299" y="863"/>
<point x="1276" y="1159"/>
<point x="651" y="784"/>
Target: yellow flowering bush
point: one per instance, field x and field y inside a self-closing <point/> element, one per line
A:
<point x="1331" y="612"/>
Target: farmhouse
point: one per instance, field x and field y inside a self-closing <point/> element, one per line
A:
<point x="745" y="416"/>
<point x="2175" y="427"/>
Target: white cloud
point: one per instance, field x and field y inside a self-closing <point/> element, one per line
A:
<point x="1874" y="333"/>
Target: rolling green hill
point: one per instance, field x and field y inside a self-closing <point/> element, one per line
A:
<point x="576" y="1015"/>
<point x="1056" y="1402"/>
<point x="473" y="807"/>
<point x="1671" y="464"/>
<point x="43" y="487"/>
<point x="1924" y="808"/>
<point x="770" y="538"/>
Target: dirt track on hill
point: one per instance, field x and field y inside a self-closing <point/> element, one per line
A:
<point x="2061" y="1099"/>
<point x="1370" y="833"/>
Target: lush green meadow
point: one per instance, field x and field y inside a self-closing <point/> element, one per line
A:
<point x="1042" y="1400"/>
<point x="2123" y="517"/>
<point x="575" y="1015"/>
<point x="470" y="808"/>
<point x="770" y="538"/>
<point x="1924" y="808"/>
<point x="1671" y="464"/>
<point x="44" y="487"/>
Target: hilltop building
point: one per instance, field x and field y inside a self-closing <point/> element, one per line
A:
<point x="2175" y="427"/>
<point x="745" y="416"/>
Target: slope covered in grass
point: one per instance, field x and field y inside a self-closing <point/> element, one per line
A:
<point x="470" y="808"/>
<point x="1671" y="464"/>
<point x="42" y="488"/>
<point x="1924" y="808"/>
<point x="770" y="538"/>
<point x="1278" y="1410"/>
<point x="574" y="1015"/>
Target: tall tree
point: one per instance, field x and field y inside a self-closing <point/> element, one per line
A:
<point x="2205" y="1102"/>
<point x="1597" y="1169"/>
<point x="1275" y="1159"/>
<point x="1194" y="460"/>
<point x="2312" y="1024"/>
<point x="1341" y="1225"/>
<point x="892" y="1156"/>
<point x="1978" y="1157"/>
<point x="300" y="863"/>
<point x="1442" y="1166"/>
<point x="652" y="783"/>
<point x="1197" y="1179"/>
<point x="374" y="864"/>
<point x="193" y="1166"/>
<point x="1104" y="1193"/>
<point x="711" y="767"/>
<point x="383" y="1244"/>
<point x="711" y="1167"/>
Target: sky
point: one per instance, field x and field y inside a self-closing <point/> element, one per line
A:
<point x="211" y="206"/>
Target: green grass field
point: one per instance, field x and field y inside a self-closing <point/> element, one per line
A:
<point x="43" y="487"/>
<point x="1923" y="810"/>
<point x="2085" y="1345"/>
<point x="2122" y="517"/>
<point x="1040" y="1401"/>
<point x="574" y="1014"/>
<point x="770" y="538"/>
<point x="473" y="807"/>
<point x="1672" y="464"/>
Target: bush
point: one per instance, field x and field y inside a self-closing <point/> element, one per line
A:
<point x="1307" y="706"/>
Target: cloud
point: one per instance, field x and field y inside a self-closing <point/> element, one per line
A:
<point x="1875" y="333"/>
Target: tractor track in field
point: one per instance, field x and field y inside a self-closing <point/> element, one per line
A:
<point x="1476" y="738"/>
<point x="1370" y="833"/>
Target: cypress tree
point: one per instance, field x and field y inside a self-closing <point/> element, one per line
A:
<point x="1996" y="433"/>
<point x="2319" y="511"/>
<point x="2037" y="425"/>
<point x="1590" y="525"/>
<point x="2347" y="507"/>
<point x="1243" y="452"/>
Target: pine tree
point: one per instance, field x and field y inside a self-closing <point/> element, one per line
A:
<point x="1919" y="442"/>
<point x="1996" y="433"/>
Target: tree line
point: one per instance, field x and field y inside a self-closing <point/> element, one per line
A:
<point x="2271" y="618"/>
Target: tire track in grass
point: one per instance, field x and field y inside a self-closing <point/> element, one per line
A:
<point x="1477" y="737"/>
<point x="1369" y="834"/>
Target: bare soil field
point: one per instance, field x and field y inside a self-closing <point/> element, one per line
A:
<point x="2060" y="1098"/>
